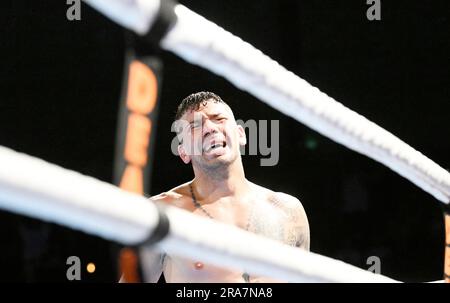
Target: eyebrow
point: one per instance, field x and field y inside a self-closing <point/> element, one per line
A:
<point x="217" y="115"/>
<point x="210" y="116"/>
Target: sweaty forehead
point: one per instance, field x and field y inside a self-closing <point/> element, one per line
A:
<point x="210" y="109"/>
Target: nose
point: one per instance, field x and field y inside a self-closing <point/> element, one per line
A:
<point x="209" y="128"/>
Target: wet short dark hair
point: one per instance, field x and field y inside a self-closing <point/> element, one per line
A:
<point x="193" y="102"/>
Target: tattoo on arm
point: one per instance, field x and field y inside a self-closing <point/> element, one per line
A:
<point x="297" y="228"/>
<point x="285" y="222"/>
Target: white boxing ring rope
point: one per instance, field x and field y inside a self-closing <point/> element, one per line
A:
<point x="203" y="43"/>
<point x="35" y="188"/>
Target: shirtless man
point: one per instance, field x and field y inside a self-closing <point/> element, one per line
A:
<point x="210" y="140"/>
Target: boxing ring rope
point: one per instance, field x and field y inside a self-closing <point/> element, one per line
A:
<point x="35" y="188"/>
<point x="203" y="43"/>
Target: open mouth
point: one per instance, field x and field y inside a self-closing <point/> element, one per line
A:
<point x="215" y="145"/>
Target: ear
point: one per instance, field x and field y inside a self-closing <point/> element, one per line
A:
<point x="183" y="155"/>
<point x="242" y="135"/>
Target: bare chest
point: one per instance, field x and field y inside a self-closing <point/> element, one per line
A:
<point x="259" y="217"/>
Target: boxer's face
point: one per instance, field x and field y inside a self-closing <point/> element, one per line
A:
<point x="210" y="136"/>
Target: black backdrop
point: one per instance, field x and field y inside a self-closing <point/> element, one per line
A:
<point x="60" y="87"/>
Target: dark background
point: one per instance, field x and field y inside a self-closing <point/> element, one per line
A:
<point x="60" y="84"/>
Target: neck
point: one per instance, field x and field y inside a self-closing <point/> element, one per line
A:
<point x="222" y="182"/>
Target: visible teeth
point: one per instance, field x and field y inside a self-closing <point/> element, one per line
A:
<point x="216" y="145"/>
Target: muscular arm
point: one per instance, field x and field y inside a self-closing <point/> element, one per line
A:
<point x="284" y="220"/>
<point x="291" y="228"/>
<point x="296" y="226"/>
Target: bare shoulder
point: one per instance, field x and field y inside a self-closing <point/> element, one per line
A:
<point x="177" y="196"/>
<point x="291" y="226"/>
<point x="287" y="202"/>
<point x="281" y="200"/>
<point x="167" y="197"/>
<point x="296" y="226"/>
